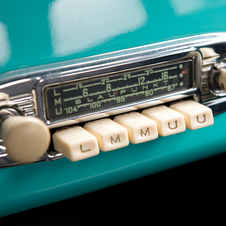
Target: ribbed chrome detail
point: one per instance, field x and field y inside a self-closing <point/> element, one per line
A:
<point x="207" y="65"/>
<point x="24" y="102"/>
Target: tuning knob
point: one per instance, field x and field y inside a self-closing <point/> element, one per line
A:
<point x="222" y="79"/>
<point x="26" y="138"/>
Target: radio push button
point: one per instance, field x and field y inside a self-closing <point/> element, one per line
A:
<point x="196" y="115"/>
<point x="140" y="128"/>
<point x="110" y="135"/>
<point x="168" y="121"/>
<point x="75" y="143"/>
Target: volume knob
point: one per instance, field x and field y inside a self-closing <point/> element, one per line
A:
<point x="26" y="138"/>
<point x="222" y="79"/>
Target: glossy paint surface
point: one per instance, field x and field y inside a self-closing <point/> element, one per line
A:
<point x="42" y="32"/>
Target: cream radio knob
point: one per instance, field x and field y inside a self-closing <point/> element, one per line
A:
<point x="26" y="138"/>
<point x="222" y="79"/>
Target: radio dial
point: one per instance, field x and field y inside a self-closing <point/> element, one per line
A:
<point x="222" y="79"/>
<point x="26" y="138"/>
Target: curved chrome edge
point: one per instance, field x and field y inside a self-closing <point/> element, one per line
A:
<point x="156" y="49"/>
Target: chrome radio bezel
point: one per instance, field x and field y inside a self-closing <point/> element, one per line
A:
<point x="103" y="70"/>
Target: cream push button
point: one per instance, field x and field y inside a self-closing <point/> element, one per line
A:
<point x="140" y="128"/>
<point x="110" y="135"/>
<point x="168" y="121"/>
<point x="75" y="143"/>
<point x="196" y="115"/>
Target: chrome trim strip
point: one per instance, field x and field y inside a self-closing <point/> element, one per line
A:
<point x="24" y="102"/>
<point x="156" y="49"/>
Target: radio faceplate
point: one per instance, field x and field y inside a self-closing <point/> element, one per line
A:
<point x="110" y="88"/>
<point x="78" y="91"/>
<point x="102" y="93"/>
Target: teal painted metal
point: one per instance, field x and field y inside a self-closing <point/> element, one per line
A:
<point x="33" y="185"/>
<point x="42" y="32"/>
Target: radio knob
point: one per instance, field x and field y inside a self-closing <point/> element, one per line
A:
<point x="26" y="138"/>
<point x="222" y="79"/>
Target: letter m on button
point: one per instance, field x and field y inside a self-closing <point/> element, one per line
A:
<point x="142" y="133"/>
<point x="117" y="139"/>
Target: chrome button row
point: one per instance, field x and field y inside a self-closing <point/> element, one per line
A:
<point x="77" y="143"/>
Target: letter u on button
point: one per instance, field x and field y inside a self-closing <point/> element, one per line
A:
<point x="196" y="115"/>
<point x="168" y="121"/>
<point x="201" y="121"/>
<point x="172" y="127"/>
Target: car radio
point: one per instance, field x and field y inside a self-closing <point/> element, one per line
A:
<point x="76" y="108"/>
<point x="68" y="95"/>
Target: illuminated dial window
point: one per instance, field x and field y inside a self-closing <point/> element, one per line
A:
<point x="103" y="93"/>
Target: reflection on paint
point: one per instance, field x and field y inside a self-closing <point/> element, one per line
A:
<point x="183" y="7"/>
<point x="4" y="45"/>
<point x="77" y="25"/>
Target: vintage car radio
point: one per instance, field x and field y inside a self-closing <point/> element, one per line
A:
<point x="76" y="108"/>
<point x="177" y="75"/>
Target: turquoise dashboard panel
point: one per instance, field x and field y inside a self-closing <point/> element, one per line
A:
<point x="42" y="32"/>
<point x="35" y="33"/>
<point x="33" y="185"/>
